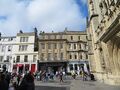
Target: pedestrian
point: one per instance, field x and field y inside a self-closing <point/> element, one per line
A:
<point x="3" y="83"/>
<point x="61" y="76"/>
<point x="27" y="83"/>
<point x="92" y="77"/>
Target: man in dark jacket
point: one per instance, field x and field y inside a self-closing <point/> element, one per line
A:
<point x="3" y="83"/>
<point x="27" y="83"/>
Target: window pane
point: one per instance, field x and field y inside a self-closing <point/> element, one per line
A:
<point x="25" y="58"/>
<point x="18" y="59"/>
<point x="71" y="67"/>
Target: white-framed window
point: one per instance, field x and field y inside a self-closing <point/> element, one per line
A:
<point x="10" y="39"/>
<point x="1" y="58"/>
<point x="23" y="47"/>
<point x="26" y="58"/>
<point x="23" y="39"/>
<point x="34" y="58"/>
<point x="9" y="48"/>
<point x="3" y="48"/>
<point x="17" y="58"/>
<point x="8" y="58"/>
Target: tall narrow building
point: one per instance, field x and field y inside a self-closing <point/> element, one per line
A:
<point x="25" y="52"/>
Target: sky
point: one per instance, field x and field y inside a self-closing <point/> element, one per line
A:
<point x="45" y="15"/>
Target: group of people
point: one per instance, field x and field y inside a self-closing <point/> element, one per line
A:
<point x="46" y="76"/>
<point x="15" y="81"/>
<point x="85" y="76"/>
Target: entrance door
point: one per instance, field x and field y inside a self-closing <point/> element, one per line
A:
<point x="55" y="69"/>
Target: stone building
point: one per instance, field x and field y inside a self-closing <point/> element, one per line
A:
<point x="6" y="52"/>
<point x="104" y="40"/>
<point x="65" y="50"/>
<point x="25" y="52"/>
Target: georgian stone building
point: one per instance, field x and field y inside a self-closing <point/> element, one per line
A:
<point x="104" y="40"/>
<point x="25" y="52"/>
<point x="66" y="50"/>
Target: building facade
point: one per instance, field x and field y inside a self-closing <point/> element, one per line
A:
<point x="25" y="53"/>
<point x="65" y="50"/>
<point x="104" y="39"/>
<point x="6" y="52"/>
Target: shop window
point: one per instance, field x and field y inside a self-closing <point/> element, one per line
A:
<point x="71" y="67"/>
<point x="76" y="67"/>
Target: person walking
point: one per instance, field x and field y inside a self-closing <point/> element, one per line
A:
<point x="3" y="83"/>
<point x="27" y="82"/>
<point x="61" y="76"/>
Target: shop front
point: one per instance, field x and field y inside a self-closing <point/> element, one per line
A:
<point x="52" y="66"/>
<point x="23" y="68"/>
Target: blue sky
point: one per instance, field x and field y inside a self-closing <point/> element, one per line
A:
<point x="46" y="15"/>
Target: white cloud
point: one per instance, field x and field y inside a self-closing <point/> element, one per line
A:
<point x="46" y="15"/>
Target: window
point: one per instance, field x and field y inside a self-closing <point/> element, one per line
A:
<point x="61" y="45"/>
<point x="80" y="56"/>
<point x="42" y="45"/>
<point x="71" y="67"/>
<point x="55" y="56"/>
<point x="10" y="39"/>
<point x="18" y="59"/>
<point x="49" y="46"/>
<point x="25" y="58"/>
<point x="42" y="56"/>
<point x="71" y="37"/>
<point x="9" y="48"/>
<point x="75" y="56"/>
<point x="74" y="46"/>
<point x="55" y="37"/>
<point x="86" y="56"/>
<point x="1" y="58"/>
<point x="49" y="56"/>
<point x="85" y="46"/>
<point x="61" y="56"/>
<point x="60" y="36"/>
<point x="8" y="58"/>
<point x="55" y="46"/>
<point x="24" y="39"/>
<point x="34" y="58"/>
<point x="78" y="37"/>
<point x="3" y="49"/>
<point x="80" y="46"/>
<point x="49" y="37"/>
<point x="70" y="46"/>
<point x="70" y="56"/>
<point x="23" y="47"/>
<point x="76" y="67"/>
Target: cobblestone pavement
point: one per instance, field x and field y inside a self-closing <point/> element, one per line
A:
<point x="70" y="84"/>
